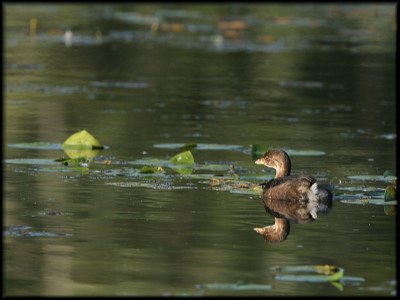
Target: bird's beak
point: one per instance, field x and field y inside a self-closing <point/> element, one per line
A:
<point x="260" y="161"/>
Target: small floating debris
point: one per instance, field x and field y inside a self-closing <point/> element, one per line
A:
<point x="387" y="136"/>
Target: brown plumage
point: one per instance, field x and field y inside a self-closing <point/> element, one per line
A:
<point x="297" y="198"/>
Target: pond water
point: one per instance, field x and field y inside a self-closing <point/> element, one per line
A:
<point x="316" y="80"/>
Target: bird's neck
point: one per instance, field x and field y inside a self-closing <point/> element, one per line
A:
<point x="282" y="172"/>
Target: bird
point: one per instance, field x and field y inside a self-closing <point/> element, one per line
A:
<point x="295" y="198"/>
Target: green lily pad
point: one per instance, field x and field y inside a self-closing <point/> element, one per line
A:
<point x="182" y="171"/>
<point x="258" y="151"/>
<point x="76" y="154"/>
<point x="390" y="210"/>
<point x="30" y="161"/>
<point x="372" y="178"/>
<point x="390" y="196"/>
<point x="390" y="193"/>
<point x="365" y="201"/>
<point x="359" y="188"/>
<point x="183" y="158"/>
<point x="151" y="170"/>
<point x="149" y="162"/>
<point x="233" y="185"/>
<point x="82" y="140"/>
<point x="235" y="286"/>
<point x="200" y="146"/>
<point x="37" y="145"/>
<point x="305" y="152"/>
<point x="213" y="167"/>
<point x="154" y="185"/>
<point x="389" y="173"/>
<point x="325" y="273"/>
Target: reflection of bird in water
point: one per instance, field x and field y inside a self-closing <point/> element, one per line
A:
<point x="297" y="198"/>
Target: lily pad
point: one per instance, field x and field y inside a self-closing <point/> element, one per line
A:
<point x="200" y="146"/>
<point x="365" y="201"/>
<point x="37" y="145"/>
<point x="389" y="173"/>
<point x="151" y="170"/>
<point x="390" y="210"/>
<point x="213" y="167"/>
<point x="390" y="196"/>
<point x="79" y="153"/>
<point x="235" y="286"/>
<point x="372" y="178"/>
<point x="258" y="151"/>
<point x="154" y="185"/>
<point x="149" y="162"/>
<point x="390" y="193"/>
<point x="325" y="273"/>
<point x="82" y="140"/>
<point x="233" y="185"/>
<point x="31" y="161"/>
<point x="305" y="152"/>
<point x="183" y="158"/>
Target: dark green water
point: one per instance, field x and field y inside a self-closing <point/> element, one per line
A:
<point x="299" y="77"/>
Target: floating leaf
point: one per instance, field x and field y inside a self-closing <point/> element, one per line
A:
<point x="76" y="154"/>
<point x="235" y="286"/>
<point x="213" y="167"/>
<point x="155" y="185"/>
<point x="328" y="273"/>
<point x="82" y="140"/>
<point x="390" y="210"/>
<point x="149" y="162"/>
<point x="183" y="158"/>
<point x="258" y="151"/>
<point x="30" y="161"/>
<point x="389" y="173"/>
<point x="390" y="196"/>
<point x="232" y="185"/>
<point x="372" y="178"/>
<point x="182" y="171"/>
<point x="390" y="193"/>
<point x="189" y="146"/>
<point x="200" y="146"/>
<point x="151" y="170"/>
<point x="366" y="201"/>
<point x="305" y="152"/>
<point x="359" y="188"/>
<point x="37" y="145"/>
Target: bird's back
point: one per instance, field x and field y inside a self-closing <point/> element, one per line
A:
<point x="291" y="197"/>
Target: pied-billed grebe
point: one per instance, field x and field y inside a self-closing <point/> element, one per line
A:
<point x="297" y="198"/>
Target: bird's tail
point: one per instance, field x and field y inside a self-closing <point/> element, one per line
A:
<point x="320" y="200"/>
